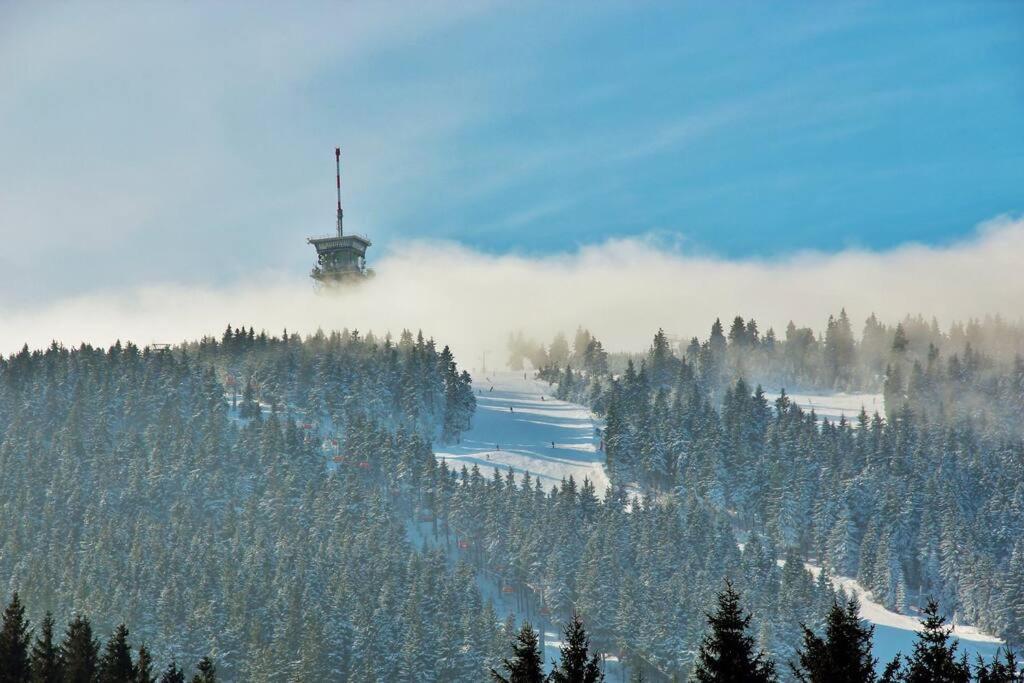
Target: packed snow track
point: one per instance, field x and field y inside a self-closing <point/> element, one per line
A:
<point x="519" y="424"/>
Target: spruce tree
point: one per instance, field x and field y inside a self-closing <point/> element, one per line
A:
<point x="1005" y="670"/>
<point x="844" y="655"/>
<point x="727" y="653"/>
<point x="144" y="666"/>
<point x="207" y="672"/>
<point x="577" y="665"/>
<point x="172" y="674"/>
<point x="526" y="664"/>
<point x="45" y="659"/>
<point x="934" y="657"/>
<point x="893" y="670"/>
<point x="116" y="663"/>
<point x="79" y="652"/>
<point x="14" y="640"/>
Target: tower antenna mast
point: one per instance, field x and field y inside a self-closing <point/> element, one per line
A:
<point x="337" y="166"/>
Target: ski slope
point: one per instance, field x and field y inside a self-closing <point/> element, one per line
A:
<point x="515" y="427"/>
<point x="521" y="438"/>
<point x="896" y="632"/>
<point x="833" y="405"/>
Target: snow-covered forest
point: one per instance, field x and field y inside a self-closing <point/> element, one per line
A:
<point x="926" y="503"/>
<point x="132" y="491"/>
<point x="275" y="503"/>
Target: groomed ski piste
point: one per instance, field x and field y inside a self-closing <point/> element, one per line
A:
<point x="521" y="438"/>
<point x="519" y="424"/>
<point x="834" y="405"/>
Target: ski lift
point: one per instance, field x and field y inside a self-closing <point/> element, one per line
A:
<point x="463" y="545"/>
<point x="507" y="589"/>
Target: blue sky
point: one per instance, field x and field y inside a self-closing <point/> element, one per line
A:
<point x="184" y="144"/>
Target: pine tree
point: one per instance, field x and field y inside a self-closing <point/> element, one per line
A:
<point x="1005" y="670"/>
<point x="577" y="665"/>
<point x="899" y="339"/>
<point x="45" y="660"/>
<point x="526" y="663"/>
<point x="144" y="666"/>
<point x="14" y="641"/>
<point x="207" y="672"/>
<point x="934" y="657"/>
<point x="844" y="655"/>
<point x="727" y="653"/>
<point x="172" y="674"/>
<point x="79" y="652"/>
<point x="893" y="670"/>
<point x="116" y="663"/>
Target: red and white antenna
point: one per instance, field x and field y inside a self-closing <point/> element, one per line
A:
<point x="337" y="164"/>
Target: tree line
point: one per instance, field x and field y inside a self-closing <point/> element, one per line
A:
<point x="840" y="652"/>
<point x="78" y="657"/>
<point x="927" y="500"/>
<point x="980" y="356"/>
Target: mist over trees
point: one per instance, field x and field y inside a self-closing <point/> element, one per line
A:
<point x="928" y="502"/>
<point x="978" y="360"/>
<point x="273" y="503"/>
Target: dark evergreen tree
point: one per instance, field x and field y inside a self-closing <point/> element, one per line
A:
<point x="1003" y="668"/>
<point x="144" y="666"/>
<point x="526" y="665"/>
<point x="79" y="652"/>
<point x="576" y="664"/>
<point x="116" y="664"/>
<point x="893" y="672"/>
<point x="727" y="652"/>
<point x="843" y="655"/>
<point x="934" y="658"/>
<point x="14" y="642"/>
<point x="207" y="672"/>
<point x="172" y="674"/>
<point x="45" y="660"/>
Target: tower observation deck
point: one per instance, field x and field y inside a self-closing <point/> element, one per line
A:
<point x="340" y="257"/>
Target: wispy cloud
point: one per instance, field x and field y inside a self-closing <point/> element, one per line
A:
<point x="623" y="290"/>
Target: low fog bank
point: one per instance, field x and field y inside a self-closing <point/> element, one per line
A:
<point x="621" y="290"/>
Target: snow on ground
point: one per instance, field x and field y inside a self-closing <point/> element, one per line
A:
<point x="833" y="405"/>
<point x="514" y="427"/>
<point x="420" y="535"/>
<point x="896" y="632"/>
<point x="525" y="433"/>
